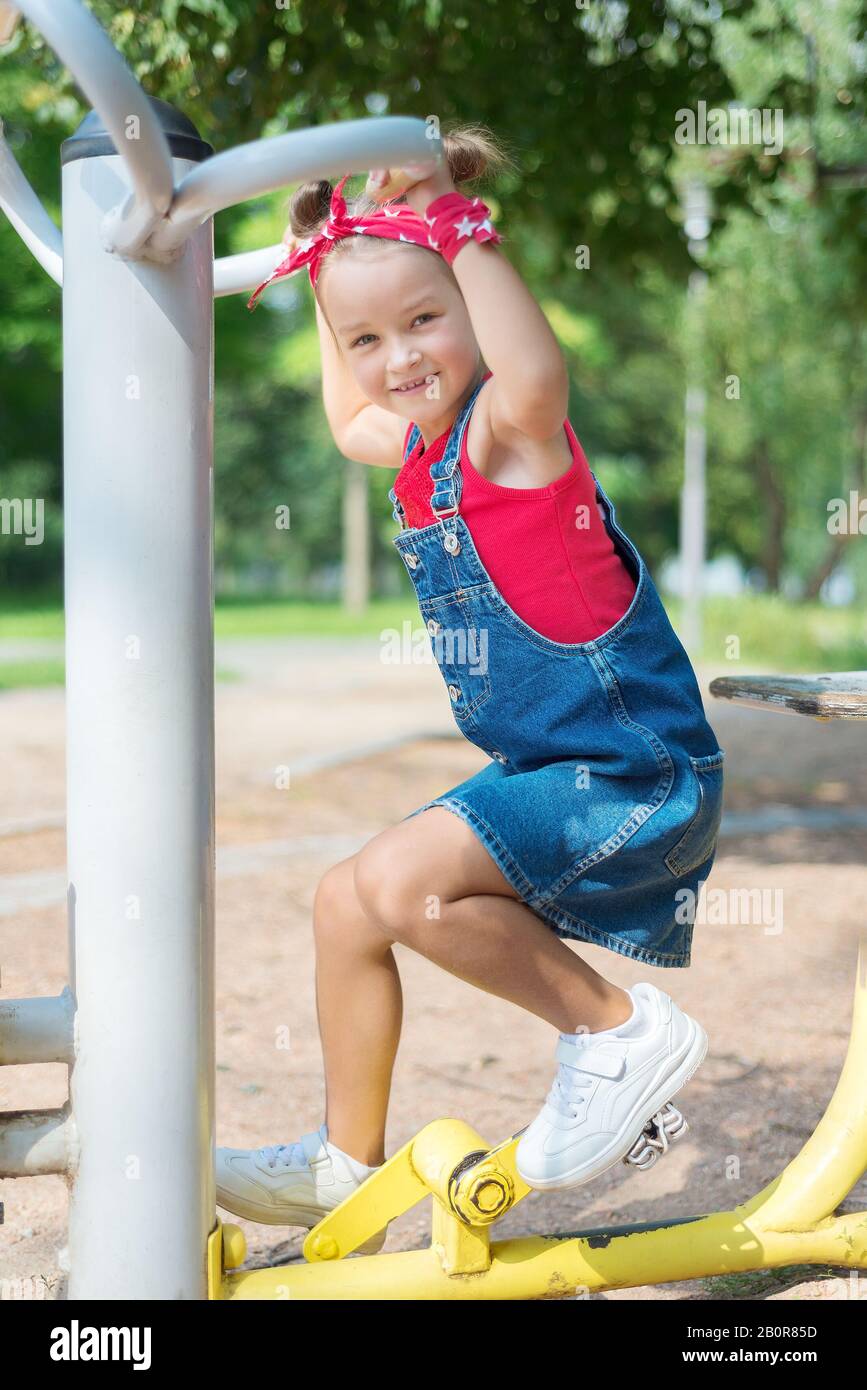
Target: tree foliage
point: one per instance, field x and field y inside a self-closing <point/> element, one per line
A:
<point x="586" y="96"/>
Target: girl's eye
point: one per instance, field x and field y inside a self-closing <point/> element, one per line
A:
<point x="425" y="315"/>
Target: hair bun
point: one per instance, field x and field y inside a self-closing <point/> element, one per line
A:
<point x="472" y="150"/>
<point x="309" y="207"/>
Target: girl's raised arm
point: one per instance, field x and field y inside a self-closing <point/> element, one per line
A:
<point x="530" y="385"/>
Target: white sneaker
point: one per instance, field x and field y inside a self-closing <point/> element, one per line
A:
<point x="289" y="1184"/>
<point x="605" y="1091"/>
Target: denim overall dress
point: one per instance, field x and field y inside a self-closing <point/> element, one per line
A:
<point x="602" y="800"/>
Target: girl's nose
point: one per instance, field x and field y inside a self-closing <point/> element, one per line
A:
<point x="402" y="360"/>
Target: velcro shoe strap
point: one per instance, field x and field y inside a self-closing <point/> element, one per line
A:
<point x="588" y="1059"/>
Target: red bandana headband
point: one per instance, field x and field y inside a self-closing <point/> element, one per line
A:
<point x="437" y="231"/>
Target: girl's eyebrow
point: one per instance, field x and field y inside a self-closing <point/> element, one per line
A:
<point x="407" y="309"/>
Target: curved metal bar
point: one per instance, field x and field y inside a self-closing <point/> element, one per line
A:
<point x="236" y="274"/>
<point x="27" y="215"/>
<point x="154" y="221"/>
<point x="107" y="82"/>
<point x="262" y="166"/>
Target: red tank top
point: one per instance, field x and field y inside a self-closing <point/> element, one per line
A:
<point x="545" y="548"/>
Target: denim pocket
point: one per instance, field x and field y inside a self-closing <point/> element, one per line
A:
<point x="698" y="841"/>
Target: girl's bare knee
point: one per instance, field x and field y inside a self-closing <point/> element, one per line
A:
<point x="391" y="892"/>
<point x="338" y="915"/>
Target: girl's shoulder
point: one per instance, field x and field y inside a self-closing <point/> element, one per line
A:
<point x="516" y="462"/>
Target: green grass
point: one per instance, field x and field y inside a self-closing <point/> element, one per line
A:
<point x="759" y="1283"/>
<point x="21" y="675"/>
<point x="296" y="618"/>
<point x="31" y="615"/>
<point x="42" y="617"/>
<point x="776" y="634"/>
<point x="15" y="675"/>
<point x="757" y="632"/>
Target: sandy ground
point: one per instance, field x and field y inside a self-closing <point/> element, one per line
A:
<point x="366" y="743"/>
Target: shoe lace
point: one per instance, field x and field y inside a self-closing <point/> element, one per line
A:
<point x="568" y="1092"/>
<point x="286" y="1155"/>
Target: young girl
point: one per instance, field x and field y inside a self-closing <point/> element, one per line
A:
<point x="596" y="818"/>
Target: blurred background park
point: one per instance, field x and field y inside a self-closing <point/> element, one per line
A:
<point x="689" y="206"/>
<point x="726" y="261"/>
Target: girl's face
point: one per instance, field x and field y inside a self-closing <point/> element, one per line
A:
<point x="399" y="317"/>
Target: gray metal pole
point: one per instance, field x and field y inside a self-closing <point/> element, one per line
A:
<point x="696" y="203"/>
<point x="136" y="1141"/>
<point x="693" y="500"/>
<point x="138" y="512"/>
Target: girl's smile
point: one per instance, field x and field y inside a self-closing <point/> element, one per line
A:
<point x="417" y="384"/>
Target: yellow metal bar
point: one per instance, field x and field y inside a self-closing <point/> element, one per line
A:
<point x="834" y="1158"/>
<point x="387" y="1193"/>
<point x="546" y="1267"/>
<point x="458" y="1247"/>
<point x="448" y="1158"/>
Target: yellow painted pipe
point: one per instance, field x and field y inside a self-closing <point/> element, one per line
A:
<point x="547" y="1267"/>
<point x="834" y="1158"/>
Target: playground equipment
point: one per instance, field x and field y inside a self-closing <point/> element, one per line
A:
<point x="135" y="1141"/>
<point x="136" y="262"/>
<point x="792" y="1220"/>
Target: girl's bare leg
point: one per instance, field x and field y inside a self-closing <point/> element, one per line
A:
<point x="359" y="1005"/>
<point x="429" y="883"/>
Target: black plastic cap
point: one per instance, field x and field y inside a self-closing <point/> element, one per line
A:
<point x="91" y="138"/>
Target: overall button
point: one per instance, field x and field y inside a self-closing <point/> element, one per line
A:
<point x="452" y="544"/>
<point x="500" y="757"/>
<point x="411" y="560"/>
<point x="454" y="691"/>
<point x="433" y="626"/>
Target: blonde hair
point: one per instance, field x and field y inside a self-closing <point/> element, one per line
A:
<point x="470" y="151"/>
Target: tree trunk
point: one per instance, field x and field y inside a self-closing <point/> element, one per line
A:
<point x="356" y="538"/>
<point x="775" y="515"/>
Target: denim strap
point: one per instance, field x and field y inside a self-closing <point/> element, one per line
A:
<point x="446" y="476"/>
